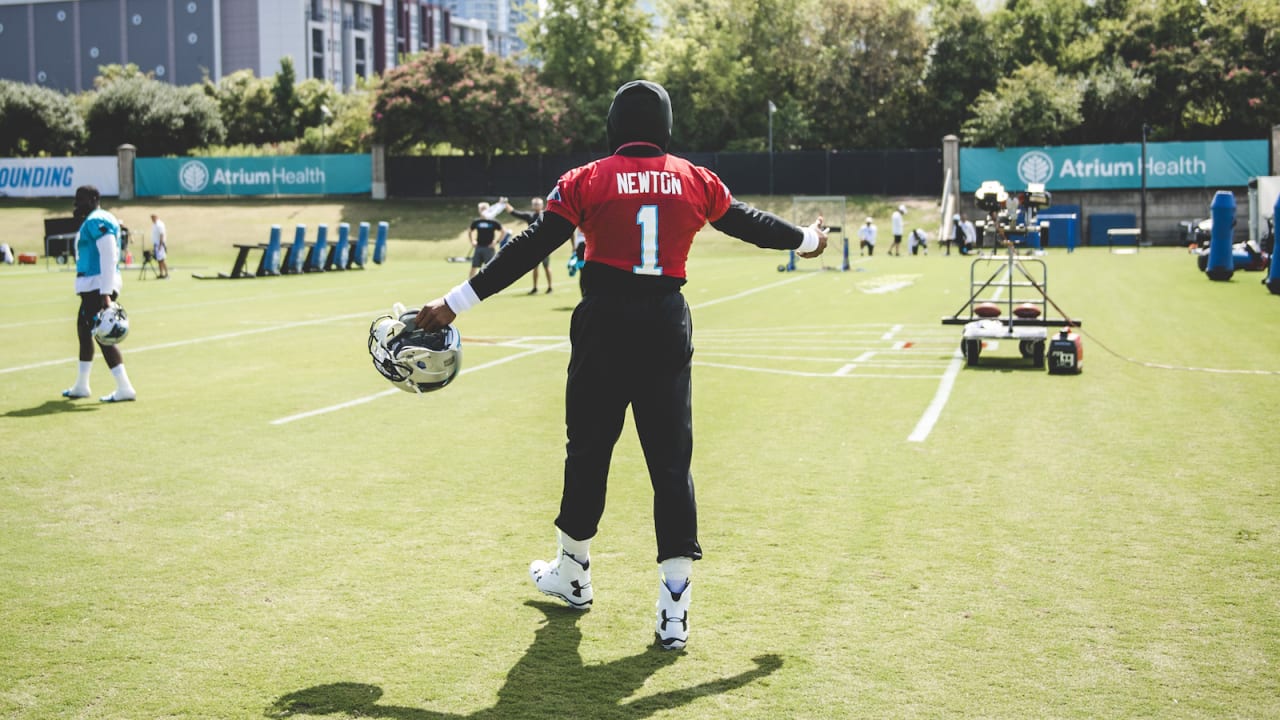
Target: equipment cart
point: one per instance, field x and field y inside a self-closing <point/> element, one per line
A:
<point x="1008" y="294"/>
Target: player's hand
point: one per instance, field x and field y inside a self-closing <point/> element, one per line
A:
<point x="106" y="301"/>
<point x="819" y="227"/>
<point x="434" y="315"/>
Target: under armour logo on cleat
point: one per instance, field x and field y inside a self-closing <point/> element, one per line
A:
<point x="578" y="588"/>
<point x="683" y="620"/>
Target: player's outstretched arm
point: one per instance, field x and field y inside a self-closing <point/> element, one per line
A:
<point x="766" y="230"/>
<point x="520" y="256"/>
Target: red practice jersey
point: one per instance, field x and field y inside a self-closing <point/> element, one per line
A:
<point x="639" y="214"/>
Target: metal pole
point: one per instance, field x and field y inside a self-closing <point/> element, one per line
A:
<point x="770" y="147"/>
<point x="1142" y="224"/>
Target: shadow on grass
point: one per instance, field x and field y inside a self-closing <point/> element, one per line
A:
<point x="51" y="407"/>
<point x="549" y="681"/>
<point x="1003" y="364"/>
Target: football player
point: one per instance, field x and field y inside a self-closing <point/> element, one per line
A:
<point x="639" y="210"/>
<point x="537" y="205"/>
<point x="98" y="283"/>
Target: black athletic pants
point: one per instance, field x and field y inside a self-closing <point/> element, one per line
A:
<point x="636" y="351"/>
<point x="90" y="305"/>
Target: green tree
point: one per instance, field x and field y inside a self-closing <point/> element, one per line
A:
<point x="114" y="72"/>
<point x="474" y="101"/>
<point x="348" y="128"/>
<point x="959" y="67"/>
<point x="1112" y="105"/>
<point x="1029" y="31"/>
<point x="864" y="72"/>
<point x="1035" y="106"/>
<point x="285" y="100"/>
<point x="156" y="117"/>
<point x="246" y="105"/>
<point x="314" y="96"/>
<point x="588" y="48"/>
<point x="37" y="121"/>
<point x="726" y="64"/>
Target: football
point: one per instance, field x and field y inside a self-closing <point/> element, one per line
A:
<point x="1027" y="311"/>
<point x="986" y="310"/>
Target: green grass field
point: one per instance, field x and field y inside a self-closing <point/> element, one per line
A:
<point x="273" y="531"/>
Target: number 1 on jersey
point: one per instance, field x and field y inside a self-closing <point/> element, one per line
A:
<point x="647" y="219"/>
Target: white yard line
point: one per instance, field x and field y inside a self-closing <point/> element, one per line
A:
<point x="800" y="373"/>
<point x="194" y="341"/>
<point x="369" y="398"/>
<point x="753" y="291"/>
<point x="934" y="411"/>
<point x="557" y="346"/>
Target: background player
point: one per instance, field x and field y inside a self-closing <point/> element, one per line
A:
<point x="483" y="232"/>
<point x="98" y="283"/>
<point x="529" y="216"/>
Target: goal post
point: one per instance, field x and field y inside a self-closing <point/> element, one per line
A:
<point x="804" y="210"/>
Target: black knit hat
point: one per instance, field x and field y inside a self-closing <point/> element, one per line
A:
<point x="87" y="195"/>
<point x="87" y="198"/>
<point x="641" y="112"/>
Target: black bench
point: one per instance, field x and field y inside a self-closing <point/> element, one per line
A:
<point x="60" y="239"/>
<point x="238" y="268"/>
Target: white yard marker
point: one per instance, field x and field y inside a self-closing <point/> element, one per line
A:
<point x="369" y="398"/>
<point x="934" y="411"/>
<point x="558" y="346"/>
<point x="194" y="341"/>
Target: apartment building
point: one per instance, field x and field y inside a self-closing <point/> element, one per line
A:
<point x="61" y="43"/>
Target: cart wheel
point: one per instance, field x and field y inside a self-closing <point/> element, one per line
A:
<point x="1037" y="355"/>
<point x="971" y="349"/>
<point x="1026" y="347"/>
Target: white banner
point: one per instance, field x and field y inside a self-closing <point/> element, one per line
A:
<point x="57" y="177"/>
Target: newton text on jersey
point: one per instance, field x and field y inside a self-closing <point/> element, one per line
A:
<point x="657" y="182"/>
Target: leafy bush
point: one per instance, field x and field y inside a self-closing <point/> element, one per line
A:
<point x="36" y="120"/>
<point x="347" y="129"/>
<point x="247" y="107"/>
<point x="477" y="102"/>
<point x="156" y="117"/>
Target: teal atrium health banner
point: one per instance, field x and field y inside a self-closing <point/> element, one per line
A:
<point x="1208" y="164"/>
<point x="291" y="175"/>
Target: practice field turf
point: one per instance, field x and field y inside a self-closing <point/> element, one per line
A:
<point x="272" y="530"/>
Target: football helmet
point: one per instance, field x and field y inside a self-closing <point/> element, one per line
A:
<point x="414" y="360"/>
<point x="111" y="325"/>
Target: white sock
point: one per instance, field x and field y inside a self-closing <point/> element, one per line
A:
<point x="579" y="549"/>
<point x="82" y="381"/>
<point x="123" y="386"/>
<point x="676" y="572"/>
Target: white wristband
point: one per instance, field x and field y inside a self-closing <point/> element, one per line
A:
<point x="461" y="298"/>
<point x="810" y="242"/>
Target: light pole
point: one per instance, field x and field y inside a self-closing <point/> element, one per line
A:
<point x="1142" y="222"/>
<point x="772" y="109"/>
<point x="324" y="127"/>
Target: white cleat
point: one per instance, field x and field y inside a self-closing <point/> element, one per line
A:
<point x="118" y="396"/>
<point x="564" y="578"/>
<point x="673" y="615"/>
<point x="75" y="393"/>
